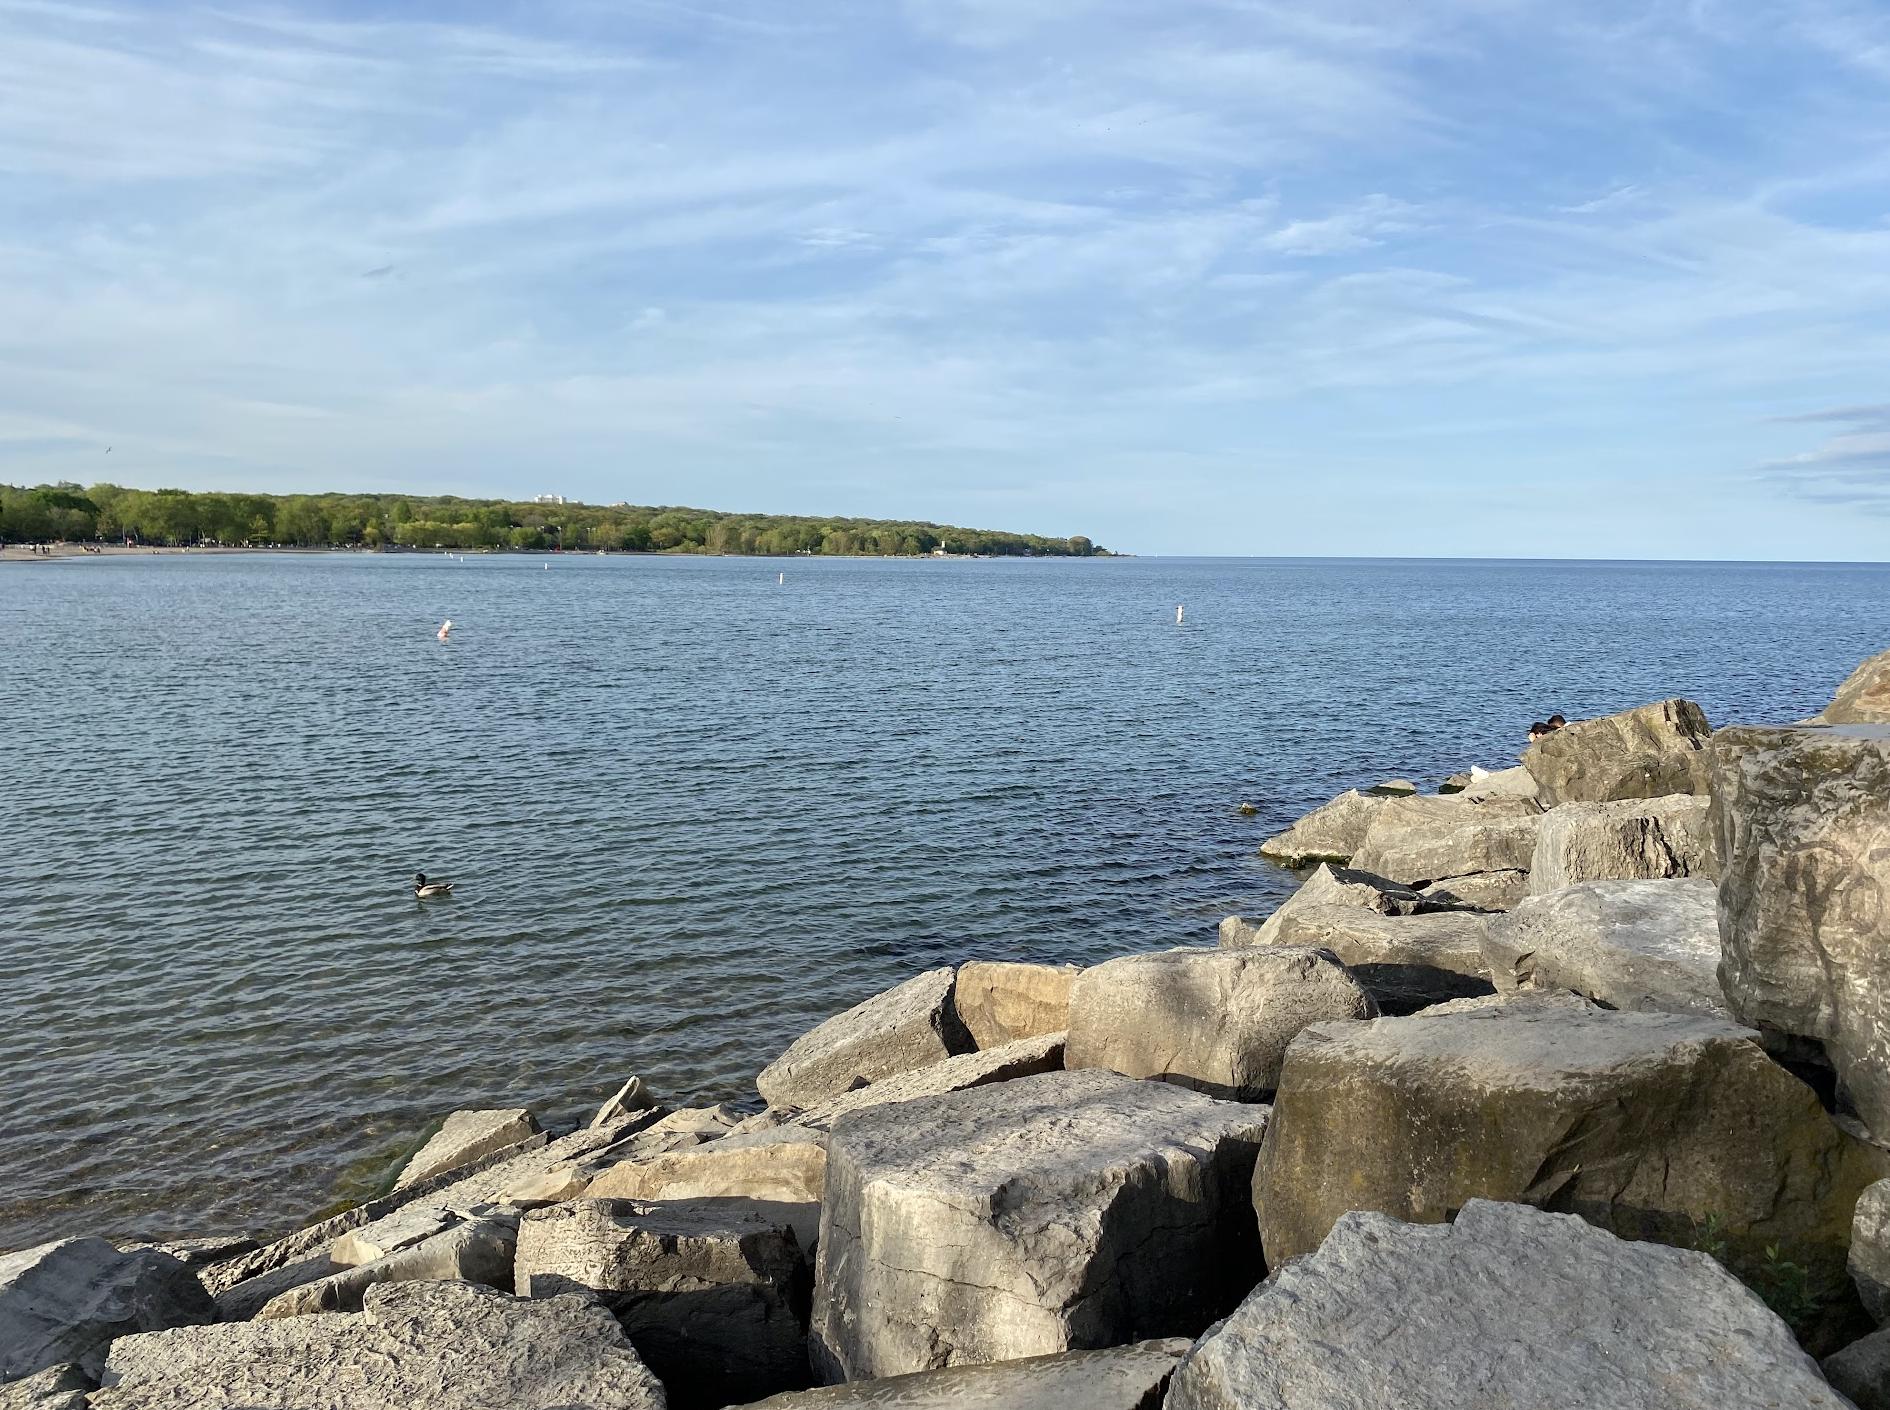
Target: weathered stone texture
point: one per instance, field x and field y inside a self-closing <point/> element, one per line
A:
<point x="1405" y="963"/>
<point x="1325" y="885"/>
<point x="1864" y="698"/>
<point x="1116" y="1378"/>
<point x="1647" y="752"/>
<point x="1424" y="839"/>
<point x="1870" y="1250"/>
<point x="1861" y="1371"/>
<point x="464" y="1137"/>
<point x="1001" y="1001"/>
<point x="1331" y="832"/>
<point x="1628" y="839"/>
<point x="909" y="1026"/>
<point x="476" y="1251"/>
<point x="65" y="1301"/>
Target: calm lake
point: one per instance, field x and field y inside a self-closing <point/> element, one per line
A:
<point x="691" y="810"/>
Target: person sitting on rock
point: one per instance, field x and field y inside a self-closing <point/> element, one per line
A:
<point x="1555" y="722"/>
<point x="1538" y="730"/>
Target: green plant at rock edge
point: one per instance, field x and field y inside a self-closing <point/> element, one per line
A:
<point x="1781" y="1284"/>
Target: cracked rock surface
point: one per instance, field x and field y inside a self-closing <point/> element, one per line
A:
<point x="910" y="1025"/>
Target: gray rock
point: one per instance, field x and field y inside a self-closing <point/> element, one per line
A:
<point x="1640" y="945"/>
<point x="1801" y="816"/>
<point x="414" y="1346"/>
<point x="465" y="1136"/>
<point x="1404" y="962"/>
<point x="1863" y="699"/>
<point x="1508" y="1307"/>
<point x="1393" y="788"/>
<point x="1325" y="885"/>
<point x="713" y="1293"/>
<point x="1870" y="1250"/>
<point x="1516" y="782"/>
<point x="55" y="1388"/>
<point x="1647" y="752"/>
<point x="784" y="1166"/>
<point x="1628" y="839"/>
<point x="241" y="1301"/>
<point x="1214" y="1020"/>
<point x="1651" y="1125"/>
<point x="1420" y="840"/>
<point x="906" y="1027"/>
<point x="1488" y="891"/>
<point x="403" y="1228"/>
<point x="1861" y="1371"/>
<point x="1331" y="832"/>
<point x="65" y="1301"/>
<point x="1023" y="1058"/>
<point x="477" y="1251"/>
<point x="1065" y="1211"/>
<point x="199" y="1253"/>
<point x="628" y="1099"/>
<point x="1000" y="1002"/>
<point x="1116" y="1378"/>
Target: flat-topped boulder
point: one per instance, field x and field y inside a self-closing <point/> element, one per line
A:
<point x="1331" y="832"/>
<point x="712" y="1292"/>
<point x="1325" y="885"/>
<point x="911" y="1025"/>
<point x="1116" y="1378"/>
<point x="465" y="1136"/>
<point x="1641" y="945"/>
<point x="65" y="1301"/>
<point x="1508" y="1307"/>
<point x="1627" y="839"/>
<point x="475" y="1251"/>
<point x="1214" y="1020"/>
<point x="1647" y="752"/>
<point x="1060" y="1212"/>
<point x="1651" y="1125"/>
<point x="1405" y="963"/>
<point x="784" y="1166"/>
<point x="1802" y="816"/>
<point x="413" y="1346"/>
<point x="1424" y="839"/>
<point x="1001" y="1001"/>
<point x="1863" y="699"/>
<point x="1488" y="891"/>
<point x="1022" y="1058"/>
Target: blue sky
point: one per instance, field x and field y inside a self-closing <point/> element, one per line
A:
<point x="1225" y="276"/>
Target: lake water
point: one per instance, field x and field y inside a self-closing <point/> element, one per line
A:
<point x="691" y="810"/>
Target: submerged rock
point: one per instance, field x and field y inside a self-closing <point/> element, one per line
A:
<point x="1647" y="752"/>
<point x="413" y="1346"/>
<point x="1801" y="816"/>
<point x="1000" y="1001"/>
<point x="1628" y="839"/>
<point x="1506" y="1307"/>
<point x="905" y="1027"/>
<point x="1117" y="1378"/>
<point x="1651" y="1125"/>
<point x="1214" y="1020"/>
<point x="65" y="1301"/>
<point x="1065" y="1211"/>
<point x="465" y="1136"/>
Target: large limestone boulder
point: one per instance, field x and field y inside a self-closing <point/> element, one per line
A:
<point x="414" y="1346"/>
<point x="1639" y="945"/>
<point x="1628" y="839"/>
<point x="1651" y="1125"/>
<point x="1863" y="699"/>
<point x="465" y="1136"/>
<point x="785" y="1166"/>
<point x="1507" y="1307"/>
<point x="65" y="1301"/>
<point x="1325" y="885"/>
<point x="1214" y="1020"/>
<point x="1065" y="1211"/>
<point x="909" y="1026"/>
<point x="1405" y="963"/>
<point x="1489" y="891"/>
<point x="1000" y="1002"/>
<point x="713" y="1293"/>
<point x="1870" y="1250"/>
<point x="477" y="1251"/>
<point x="1425" y="839"/>
<point x="1331" y="832"/>
<point x="1647" y="752"/>
<point x="1115" y="1378"/>
<point x="1802" y="819"/>
<point x="1023" y="1058"/>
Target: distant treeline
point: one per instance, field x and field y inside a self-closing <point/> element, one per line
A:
<point x="113" y="513"/>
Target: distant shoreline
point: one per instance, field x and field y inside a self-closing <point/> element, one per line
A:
<point x="29" y="553"/>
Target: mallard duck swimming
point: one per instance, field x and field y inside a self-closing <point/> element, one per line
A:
<point x="425" y="890"/>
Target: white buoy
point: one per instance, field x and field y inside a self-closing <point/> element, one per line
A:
<point x="445" y="628"/>
<point x="1177" y="615"/>
<point x="781" y="578"/>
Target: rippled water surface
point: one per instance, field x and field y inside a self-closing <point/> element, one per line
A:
<point x="691" y="810"/>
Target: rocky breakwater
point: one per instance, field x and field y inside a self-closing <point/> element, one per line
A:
<point x="1493" y="1110"/>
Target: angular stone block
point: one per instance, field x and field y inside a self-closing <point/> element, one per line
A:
<point x="1060" y="1212"/>
<point x="55" y="1388"/>
<point x="476" y="1251"/>
<point x="1214" y="1020"/>
<point x="1117" y="1378"/>
<point x="1631" y="839"/>
<point x="1647" y="752"/>
<point x="1639" y="945"/>
<point x="1024" y="1058"/>
<point x="1489" y="891"/>
<point x="413" y="1346"/>
<point x="1508" y="1307"/>
<point x="1405" y="963"/>
<point x="65" y="1301"/>
<point x="712" y="1292"/>
<point x="785" y="1166"/>
<point x="464" y="1137"/>
<point x="1802" y="819"/>
<point x="1000" y="1002"/>
<point x="1651" y="1125"/>
<point x="911" y="1025"/>
<point x="1425" y="839"/>
<point x="1331" y="832"/>
<point x="1864" y="698"/>
<point x="1325" y="885"/>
